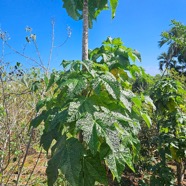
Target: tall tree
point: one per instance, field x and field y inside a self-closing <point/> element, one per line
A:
<point x="88" y="10"/>
<point x="175" y="38"/>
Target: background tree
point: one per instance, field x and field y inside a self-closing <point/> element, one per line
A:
<point x="175" y="38"/>
<point x="166" y="62"/>
<point x="169" y="97"/>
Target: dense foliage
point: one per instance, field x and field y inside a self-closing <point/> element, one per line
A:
<point x="97" y="119"/>
<point x="97" y="101"/>
<point x="169" y="96"/>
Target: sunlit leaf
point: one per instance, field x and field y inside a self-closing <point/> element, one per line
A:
<point x="146" y="119"/>
<point x="114" y="4"/>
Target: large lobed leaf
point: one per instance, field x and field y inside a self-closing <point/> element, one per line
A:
<point x="94" y="170"/>
<point x="74" y="8"/>
<point x="67" y="158"/>
<point x="116" y="162"/>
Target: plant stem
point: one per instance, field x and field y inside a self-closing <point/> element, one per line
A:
<point x="26" y="154"/>
<point x="85" y="31"/>
<point x="84" y="45"/>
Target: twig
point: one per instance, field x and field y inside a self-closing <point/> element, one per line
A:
<point x="11" y="171"/>
<point x="34" y="167"/>
<point x="3" y="50"/>
<point x="27" y="57"/>
<point x="25" y="156"/>
<point x="8" y="130"/>
<point x="69" y="33"/>
<point x="52" y="45"/>
<point x="39" y="55"/>
<point x="62" y="43"/>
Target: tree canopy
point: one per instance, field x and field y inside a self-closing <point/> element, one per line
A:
<point x="75" y="8"/>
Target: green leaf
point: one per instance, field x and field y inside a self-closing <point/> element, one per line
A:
<point x="117" y="41"/>
<point x="40" y="104"/>
<point x="116" y="162"/>
<point x="110" y="136"/>
<point x="137" y="55"/>
<point x="137" y="102"/>
<point x="134" y="70"/>
<point x="35" y="86"/>
<point x="37" y="120"/>
<point x="101" y="4"/>
<point x="66" y="63"/>
<point x="125" y="97"/>
<point x="73" y="111"/>
<point x="51" y="80"/>
<point x="108" y="41"/>
<point x="149" y="101"/>
<point x="59" y="118"/>
<point x="80" y="108"/>
<point x="132" y="56"/>
<point x="111" y="85"/>
<point x="101" y="126"/>
<point x="146" y="119"/>
<point x="94" y="170"/>
<point x="67" y="158"/>
<point x="75" y="85"/>
<point x="47" y="138"/>
<point x="72" y="8"/>
<point x="94" y="142"/>
<point x="113" y="4"/>
<point x="104" y="150"/>
<point x="46" y="80"/>
<point x="103" y="67"/>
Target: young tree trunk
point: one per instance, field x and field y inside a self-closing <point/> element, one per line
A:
<point x="180" y="173"/>
<point x="84" y="44"/>
<point x="85" y="31"/>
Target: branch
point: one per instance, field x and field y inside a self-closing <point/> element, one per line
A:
<point x="52" y="45"/>
<point x="27" y="57"/>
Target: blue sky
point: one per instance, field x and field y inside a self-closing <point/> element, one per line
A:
<point x="138" y="22"/>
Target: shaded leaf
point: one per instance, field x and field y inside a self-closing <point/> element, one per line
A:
<point x="40" y="104"/>
<point x="67" y="158"/>
<point x="48" y="137"/>
<point x="94" y="142"/>
<point x="72" y="7"/>
<point x="94" y="170"/>
<point x="37" y="120"/>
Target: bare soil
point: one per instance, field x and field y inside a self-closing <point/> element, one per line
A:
<point x="38" y="175"/>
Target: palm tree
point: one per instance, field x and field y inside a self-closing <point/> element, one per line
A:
<point x="175" y="57"/>
<point x="166" y="61"/>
